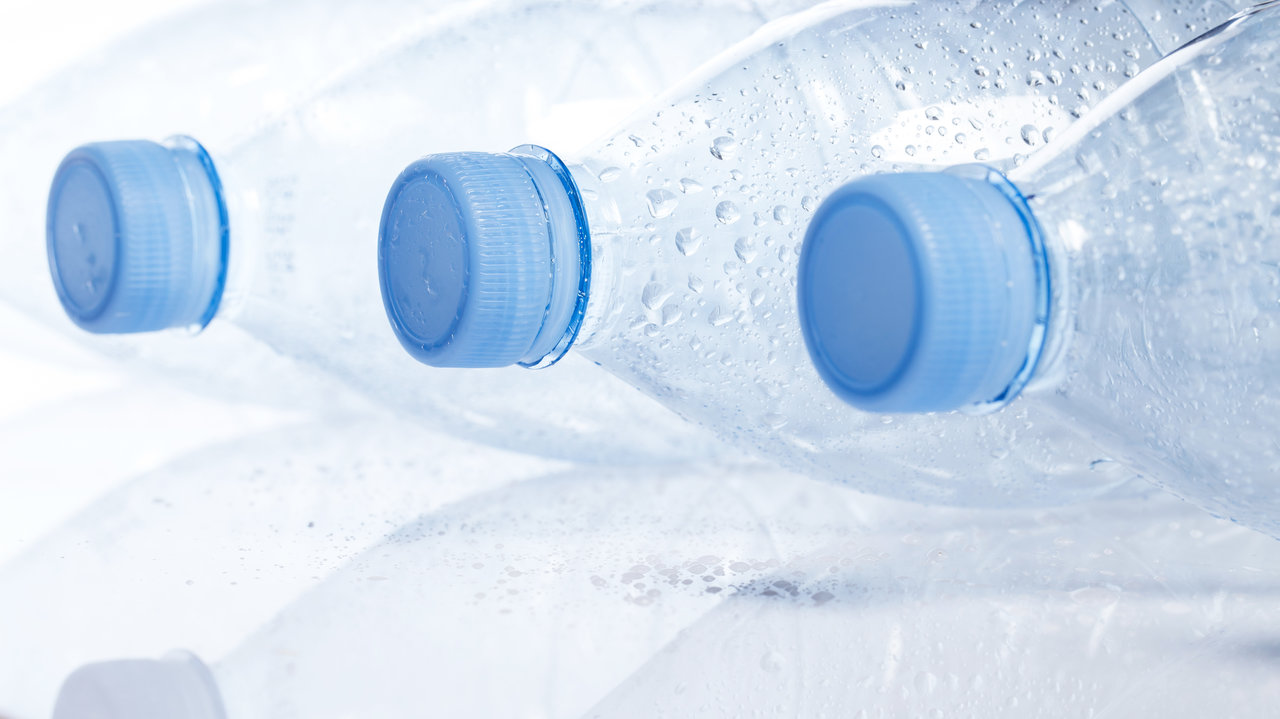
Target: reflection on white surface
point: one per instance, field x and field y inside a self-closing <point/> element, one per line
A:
<point x="1140" y="608"/>
<point x="205" y="548"/>
<point x="727" y="593"/>
<point x="73" y="426"/>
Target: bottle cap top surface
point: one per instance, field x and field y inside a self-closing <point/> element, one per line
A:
<point x="918" y="292"/>
<point x="135" y="237"/>
<point x="464" y="259"/>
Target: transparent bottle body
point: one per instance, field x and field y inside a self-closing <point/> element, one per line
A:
<point x="1161" y="221"/>
<point x="211" y="73"/>
<point x="304" y="197"/>
<point x="698" y="210"/>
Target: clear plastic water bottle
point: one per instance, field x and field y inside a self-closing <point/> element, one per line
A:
<point x="1123" y="281"/>
<point x="273" y="233"/>
<point x="202" y="550"/>
<point x="533" y="600"/>
<point x="212" y="71"/>
<point x="667" y="252"/>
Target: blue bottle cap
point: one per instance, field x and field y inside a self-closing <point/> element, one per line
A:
<point x="921" y="292"/>
<point x="480" y="259"/>
<point x="136" y="235"/>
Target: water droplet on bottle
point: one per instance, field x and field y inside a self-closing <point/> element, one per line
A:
<point x="688" y="240"/>
<point x="727" y="212"/>
<point x="654" y="295"/>
<point x="982" y="154"/>
<point x="877" y="151"/>
<point x="782" y="215"/>
<point x="609" y="174"/>
<point x="695" y="284"/>
<point x="719" y="317"/>
<point x="1031" y="135"/>
<point x="745" y="249"/>
<point x="671" y="314"/>
<point x="926" y="682"/>
<point x="722" y="148"/>
<point x="1088" y="162"/>
<point x="689" y="186"/>
<point x="933" y="113"/>
<point x="661" y="202"/>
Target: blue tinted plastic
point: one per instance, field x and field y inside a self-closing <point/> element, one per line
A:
<point x="570" y="256"/>
<point x="137" y="236"/>
<point x="480" y="259"/>
<point x="921" y="292"/>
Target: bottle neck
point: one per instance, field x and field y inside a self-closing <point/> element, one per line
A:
<point x="587" y="254"/>
<point x="250" y="210"/>
<point x="1041" y="282"/>
<point x="570" y="255"/>
<point x="207" y="213"/>
<point x="604" y="223"/>
<point x="570" y="250"/>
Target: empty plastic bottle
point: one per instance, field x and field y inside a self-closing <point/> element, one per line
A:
<point x="666" y="253"/>
<point x="213" y="71"/>
<point x="273" y="233"/>
<point x="532" y="600"/>
<point x="1125" y="280"/>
